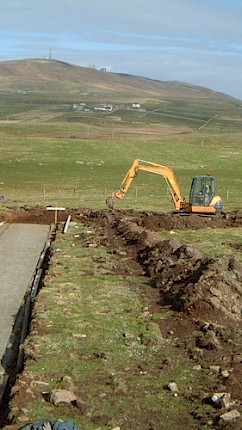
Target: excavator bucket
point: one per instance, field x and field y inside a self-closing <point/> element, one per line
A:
<point x="110" y="202"/>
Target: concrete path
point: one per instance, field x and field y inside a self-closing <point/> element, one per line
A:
<point x="20" y="248"/>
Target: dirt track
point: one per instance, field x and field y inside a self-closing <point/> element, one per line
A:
<point x="205" y="294"/>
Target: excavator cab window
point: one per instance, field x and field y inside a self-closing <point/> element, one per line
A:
<point x="203" y="189"/>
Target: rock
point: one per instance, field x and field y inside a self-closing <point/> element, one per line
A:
<point x="68" y="379"/>
<point x="237" y="358"/>
<point x="23" y="419"/>
<point x="122" y="253"/>
<point x="215" y="368"/>
<point x="221" y="400"/>
<point x="32" y="383"/>
<point x="231" y="415"/>
<point x="43" y="315"/>
<point x="172" y="386"/>
<point x="128" y="335"/>
<point x="197" y="367"/>
<point x="209" y="341"/>
<point x="62" y="396"/>
<point x="225" y="373"/>
<point x="2" y="370"/>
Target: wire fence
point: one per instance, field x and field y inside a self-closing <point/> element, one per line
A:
<point x="138" y="198"/>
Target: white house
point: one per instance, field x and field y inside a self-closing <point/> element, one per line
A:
<point x="136" y="105"/>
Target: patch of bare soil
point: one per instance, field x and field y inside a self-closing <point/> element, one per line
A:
<point x="202" y="296"/>
<point x="152" y="221"/>
<point x="37" y="215"/>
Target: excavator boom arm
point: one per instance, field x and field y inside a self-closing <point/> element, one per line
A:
<point x="158" y="169"/>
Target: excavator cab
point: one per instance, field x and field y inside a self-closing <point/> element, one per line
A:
<point x="204" y="193"/>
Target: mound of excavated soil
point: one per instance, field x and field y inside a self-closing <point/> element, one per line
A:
<point x="178" y="221"/>
<point x="208" y="288"/>
<point x="188" y="282"/>
<point x="149" y="220"/>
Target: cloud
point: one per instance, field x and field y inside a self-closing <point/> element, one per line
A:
<point x="198" y="41"/>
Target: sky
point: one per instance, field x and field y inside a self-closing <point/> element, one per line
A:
<point x="193" y="41"/>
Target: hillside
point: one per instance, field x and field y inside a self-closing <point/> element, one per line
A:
<point x="43" y="88"/>
<point x="41" y="72"/>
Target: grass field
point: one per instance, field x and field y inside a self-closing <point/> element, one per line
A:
<point x="75" y="165"/>
<point x="52" y="153"/>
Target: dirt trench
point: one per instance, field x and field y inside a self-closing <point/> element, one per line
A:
<point x="187" y="281"/>
<point x="203" y="295"/>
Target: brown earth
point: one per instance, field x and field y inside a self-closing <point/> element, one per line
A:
<point x="205" y="295"/>
<point x="150" y="220"/>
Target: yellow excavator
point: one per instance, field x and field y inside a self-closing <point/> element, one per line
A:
<point x="203" y="193"/>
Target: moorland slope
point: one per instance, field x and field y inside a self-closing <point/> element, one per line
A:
<point x="41" y="88"/>
<point x="42" y="71"/>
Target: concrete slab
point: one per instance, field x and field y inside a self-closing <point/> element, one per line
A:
<point x="20" y="248"/>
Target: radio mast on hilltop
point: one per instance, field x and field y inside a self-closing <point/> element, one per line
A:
<point x="50" y="57"/>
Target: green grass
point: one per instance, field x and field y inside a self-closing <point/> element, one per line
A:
<point x="73" y="165"/>
<point x="211" y="242"/>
